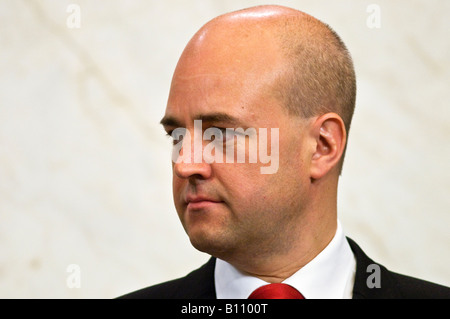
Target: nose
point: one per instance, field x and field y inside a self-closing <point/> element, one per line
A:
<point x="189" y="164"/>
<point x="190" y="170"/>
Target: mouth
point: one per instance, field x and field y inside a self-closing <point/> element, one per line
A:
<point x="197" y="203"/>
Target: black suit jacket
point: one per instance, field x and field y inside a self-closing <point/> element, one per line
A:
<point x="199" y="284"/>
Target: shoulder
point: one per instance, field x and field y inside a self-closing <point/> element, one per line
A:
<point x="198" y="284"/>
<point x="373" y="280"/>
<point x="413" y="288"/>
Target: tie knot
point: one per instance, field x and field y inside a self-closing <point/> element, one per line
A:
<point x="276" y="291"/>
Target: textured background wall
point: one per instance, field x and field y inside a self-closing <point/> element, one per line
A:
<point x="85" y="175"/>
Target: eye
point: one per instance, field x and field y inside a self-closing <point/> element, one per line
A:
<point x="169" y="133"/>
<point x="228" y="134"/>
<point x="176" y="135"/>
<point x="222" y="132"/>
<point x="219" y="134"/>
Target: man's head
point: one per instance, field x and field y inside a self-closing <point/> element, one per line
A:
<point x="266" y="67"/>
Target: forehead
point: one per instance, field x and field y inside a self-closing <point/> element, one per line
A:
<point x="196" y="97"/>
<point x="243" y="94"/>
<point x="227" y="70"/>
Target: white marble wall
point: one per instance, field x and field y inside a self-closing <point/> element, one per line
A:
<point x="85" y="167"/>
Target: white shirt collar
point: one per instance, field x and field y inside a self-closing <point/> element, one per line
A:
<point x="330" y="274"/>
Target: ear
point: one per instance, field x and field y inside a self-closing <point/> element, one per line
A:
<point x="330" y="138"/>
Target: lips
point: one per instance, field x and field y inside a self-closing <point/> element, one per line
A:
<point x="199" y="202"/>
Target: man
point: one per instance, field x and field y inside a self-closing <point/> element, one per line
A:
<point x="270" y="68"/>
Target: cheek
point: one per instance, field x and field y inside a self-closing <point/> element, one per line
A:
<point x="177" y="188"/>
<point x="294" y="153"/>
<point x="238" y="182"/>
<point x="245" y="187"/>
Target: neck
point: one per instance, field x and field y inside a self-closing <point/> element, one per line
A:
<point x="277" y="266"/>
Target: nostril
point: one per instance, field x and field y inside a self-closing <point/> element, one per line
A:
<point x="192" y="170"/>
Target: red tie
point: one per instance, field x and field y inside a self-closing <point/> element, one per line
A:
<point x="276" y="291"/>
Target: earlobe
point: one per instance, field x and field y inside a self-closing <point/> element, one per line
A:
<point x="330" y="137"/>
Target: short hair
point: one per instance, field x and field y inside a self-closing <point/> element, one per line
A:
<point x="320" y="75"/>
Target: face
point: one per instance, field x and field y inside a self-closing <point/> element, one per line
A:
<point x="232" y="209"/>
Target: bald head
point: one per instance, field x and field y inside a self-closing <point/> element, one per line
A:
<point x="298" y="59"/>
<point x="313" y="67"/>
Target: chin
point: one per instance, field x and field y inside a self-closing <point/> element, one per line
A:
<point x="211" y="243"/>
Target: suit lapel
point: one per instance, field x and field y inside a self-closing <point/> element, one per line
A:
<point x="365" y="267"/>
<point x="199" y="284"/>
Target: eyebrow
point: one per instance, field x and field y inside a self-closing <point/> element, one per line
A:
<point x="216" y="117"/>
<point x="169" y="121"/>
